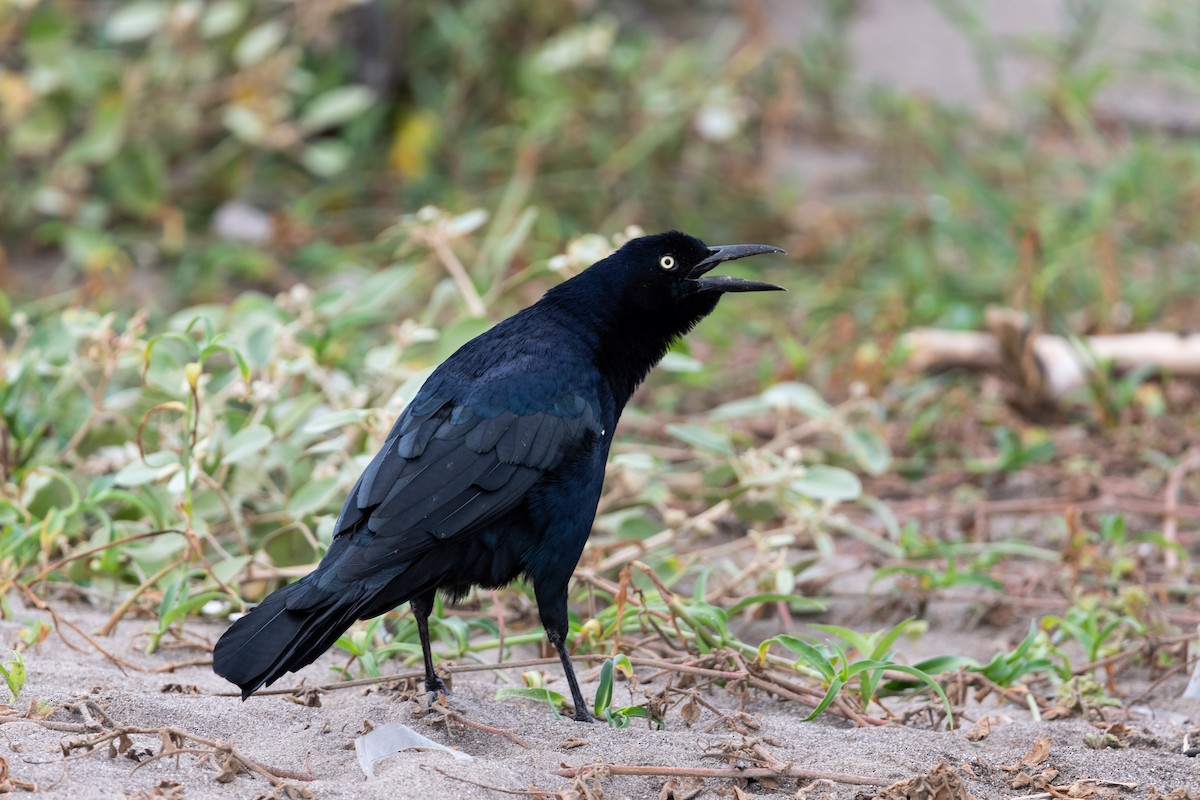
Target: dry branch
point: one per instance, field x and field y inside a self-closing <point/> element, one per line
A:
<point x="1045" y="366"/>
<point x="92" y="734"/>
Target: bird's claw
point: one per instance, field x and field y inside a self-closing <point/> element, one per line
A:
<point x="582" y="715"/>
<point x="437" y="690"/>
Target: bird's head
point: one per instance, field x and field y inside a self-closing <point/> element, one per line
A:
<point x="649" y="293"/>
<point x="666" y="285"/>
<point x="666" y="277"/>
<point x="681" y="264"/>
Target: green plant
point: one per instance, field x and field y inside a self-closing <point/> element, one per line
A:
<point x="34" y="632"/>
<point x="109" y="104"/>
<point x="1093" y="626"/>
<point x="836" y="668"/>
<point x="363" y="645"/>
<point x="965" y="563"/>
<point x="617" y="717"/>
<point x="14" y="674"/>
<point x="1082" y="693"/>
<point x="177" y="604"/>
<point x="1033" y="655"/>
<point x="1015" y="451"/>
<point x="931" y="578"/>
<point x="535" y="689"/>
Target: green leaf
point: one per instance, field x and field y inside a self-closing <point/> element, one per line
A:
<point x="187" y="606"/>
<point x="14" y="675"/>
<point x="246" y="443"/>
<point x="620" y="717"/>
<point x="227" y="569"/>
<point x="244" y="123"/>
<point x="799" y="396"/>
<point x="835" y="686"/>
<point x="680" y="362"/>
<point x="105" y="133"/>
<point x="604" y="689"/>
<point x="454" y="630"/>
<point x="137" y="179"/>
<point x="709" y="617"/>
<point x="928" y="681"/>
<point x="46" y="31"/>
<point x="869" y="450"/>
<point x="133" y="21"/>
<point x="37" y="134"/>
<point x="622" y="663"/>
<point x="260" y="344"/>
<point x="222" y="17"/>
<point x="349" y="643"/>
<point x="936" y="665"/>
<point x="744" y="407"/>
<point x="797" y="602"/>
<point x="335" y="107"/>
<point x="823" y="482"/>
<point x="312" y="496"/>
<point x="259" y="42"/>
<point x="327" y="157"/>
<point x="154" y="467"/>
<point x="379" y="291"/>
<point x="702" y="438"/>
<point x="875" y="645"/>
<point x="397" y="647"/>
<point x="635" y="524"/>
<point x="331" y="420"/>
<point x="809" y="654"/>
<point x="552" y="698"/>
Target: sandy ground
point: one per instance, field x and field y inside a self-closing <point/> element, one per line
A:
<point x="319" y="741"/>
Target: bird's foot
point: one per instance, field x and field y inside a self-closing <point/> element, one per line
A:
<point x="582" y="715"/>
<point x="437" y="690"/>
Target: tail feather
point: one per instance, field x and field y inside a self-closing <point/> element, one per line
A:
<point x="273" y="639"/>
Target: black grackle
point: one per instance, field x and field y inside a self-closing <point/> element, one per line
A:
<point x="495" y="468"/>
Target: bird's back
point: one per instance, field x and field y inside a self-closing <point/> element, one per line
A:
<point x="492" y="470"/>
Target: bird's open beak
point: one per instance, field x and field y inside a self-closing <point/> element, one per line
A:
<point x="728" y="283"/>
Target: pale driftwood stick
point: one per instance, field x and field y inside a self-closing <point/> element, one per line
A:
<point x="931" y="349"/>
<point x="1066" y="367"/>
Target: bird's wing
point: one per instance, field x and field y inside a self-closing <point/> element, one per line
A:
<point x="449" y="468"/>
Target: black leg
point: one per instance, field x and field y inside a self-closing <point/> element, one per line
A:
<point x="556" y="638"/>
<point x="552" y="608"/>
<point x="422" y="607"/>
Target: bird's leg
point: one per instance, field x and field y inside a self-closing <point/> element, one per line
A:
<point x="551" y="598"/>
<point x="422" y="607"/>
<point x="556" y="638"/>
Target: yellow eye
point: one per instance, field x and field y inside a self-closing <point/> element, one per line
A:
<point x="667" y="262"/>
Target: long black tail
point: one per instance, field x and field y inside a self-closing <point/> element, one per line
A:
<point x="274" y="639"/>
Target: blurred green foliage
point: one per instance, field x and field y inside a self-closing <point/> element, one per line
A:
<point x="129" y="124"/>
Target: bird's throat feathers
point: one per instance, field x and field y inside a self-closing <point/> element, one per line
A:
<point x="629" y="324"/>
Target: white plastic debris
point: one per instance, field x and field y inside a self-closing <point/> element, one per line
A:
<point x="392" y="738"/>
